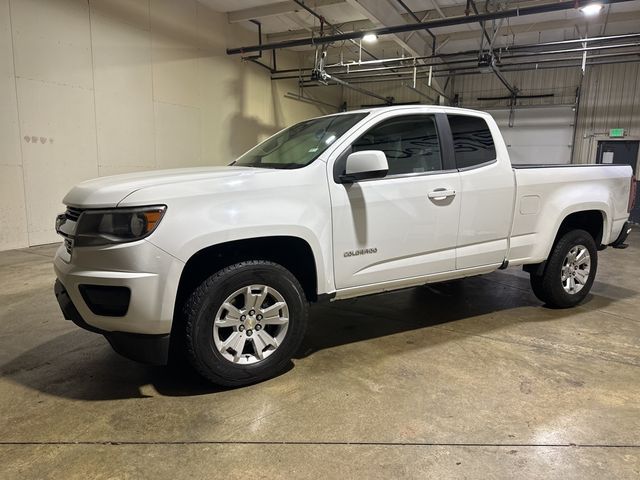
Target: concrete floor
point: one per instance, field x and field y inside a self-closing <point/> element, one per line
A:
<point x="472" y="378"/>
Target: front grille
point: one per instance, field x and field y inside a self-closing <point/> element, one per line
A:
<point x="73" y="213"/>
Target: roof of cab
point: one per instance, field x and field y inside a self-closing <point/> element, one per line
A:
<point x="433" y="108"/>
<point x="418" y="108"/>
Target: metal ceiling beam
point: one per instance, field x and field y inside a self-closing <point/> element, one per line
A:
<point x="436" y="12"/>
<point x="384" y="14"/>
<point x="417" y="20"/>
<point x="443" y="22"/>
<point x="473" y="34"/>
<point x="273" y="9"/>
<point x="546" y="25"/>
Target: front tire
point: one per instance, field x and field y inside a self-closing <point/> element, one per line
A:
<point x="245" y="322"/>
<point x="569" y="272"/>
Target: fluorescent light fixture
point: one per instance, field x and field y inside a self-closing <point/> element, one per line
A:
<point x="591" y="9"/>
<point x="370" y="38"/>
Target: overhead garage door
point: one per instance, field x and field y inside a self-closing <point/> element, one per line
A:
<point x="538" y="135"/>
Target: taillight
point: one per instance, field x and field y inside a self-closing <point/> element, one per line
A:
<point x="632" y="194"/>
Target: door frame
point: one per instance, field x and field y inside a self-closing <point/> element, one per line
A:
<point x="594" y="149"/>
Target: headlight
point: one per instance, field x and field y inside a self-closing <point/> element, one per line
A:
<point x="118" y="225"/>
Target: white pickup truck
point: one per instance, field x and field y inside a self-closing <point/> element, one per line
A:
<point x="221" y="263"/>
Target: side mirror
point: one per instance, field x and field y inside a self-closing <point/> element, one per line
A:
<point x="365" y="164"/>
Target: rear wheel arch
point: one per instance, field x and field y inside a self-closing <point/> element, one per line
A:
<point x="592" y="221"/>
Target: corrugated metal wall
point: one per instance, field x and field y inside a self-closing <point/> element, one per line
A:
<point x="395" y="89"/>
<point x="561" y="83"/>
<point x="610" y="99"/>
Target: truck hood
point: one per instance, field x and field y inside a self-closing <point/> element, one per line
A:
<point x="107" y="192"/>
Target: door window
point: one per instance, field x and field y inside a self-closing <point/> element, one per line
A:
<point x="472" y="141"/>
<point x="410" y="143"/>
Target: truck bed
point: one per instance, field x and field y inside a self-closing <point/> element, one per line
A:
<point x="546" y="194"/>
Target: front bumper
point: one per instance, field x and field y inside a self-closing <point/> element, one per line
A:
<point x="150" y="274"/>
<point x="150" y="349"/>
<point x="138" y="324"/>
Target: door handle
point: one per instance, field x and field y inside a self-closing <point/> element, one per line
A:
<point x="441" y="194"/>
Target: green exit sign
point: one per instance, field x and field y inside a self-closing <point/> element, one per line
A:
<point x="616" y="132"/>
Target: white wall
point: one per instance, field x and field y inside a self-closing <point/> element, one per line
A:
<point x="101" y="87"/>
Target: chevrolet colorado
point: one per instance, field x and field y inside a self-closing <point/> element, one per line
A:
<point x="221" y="263"/>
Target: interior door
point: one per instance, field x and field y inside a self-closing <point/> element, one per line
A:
<point x="624" y="152"/>
<point x="404" y="225"/>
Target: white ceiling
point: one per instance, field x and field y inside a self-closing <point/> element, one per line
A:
<point x="234" y="5"/>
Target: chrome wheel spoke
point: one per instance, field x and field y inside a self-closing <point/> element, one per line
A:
<point x="236" y="342"/>
<point x="232" y="311"/>
<point x="261" y="297"/>
<point x="581" y="277"/>
<point x="261" y="341"/>
<point x="254" y="300"/>
<point x="273" y="309"/>
<point x="275" y="320"/>
<point x="228" y="322"/>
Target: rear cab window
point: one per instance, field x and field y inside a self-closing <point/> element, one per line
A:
<point x="472" y="141"/>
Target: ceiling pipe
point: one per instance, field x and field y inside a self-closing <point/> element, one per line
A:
<point x="387" y="100"/>
<point x="441" y="75"/>
<point x="467" y="53"/>
<point x="536" y="64"/>
<point x="442" y="22"/>
<point x="407" y="69"/>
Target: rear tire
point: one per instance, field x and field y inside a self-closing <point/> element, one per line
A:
<point x="569" y="272"/>
<point x="244" y="323"/>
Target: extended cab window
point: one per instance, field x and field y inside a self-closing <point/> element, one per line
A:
<point x="410" y="143"/>
<point x="472" y="140"/>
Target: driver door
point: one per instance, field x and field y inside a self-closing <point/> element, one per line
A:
<point x="405" y="224"/>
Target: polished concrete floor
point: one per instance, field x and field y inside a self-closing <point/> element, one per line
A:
<point x="469" y="379"/>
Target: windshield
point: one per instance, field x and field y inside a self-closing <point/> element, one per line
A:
<point x="299" y="145"/>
